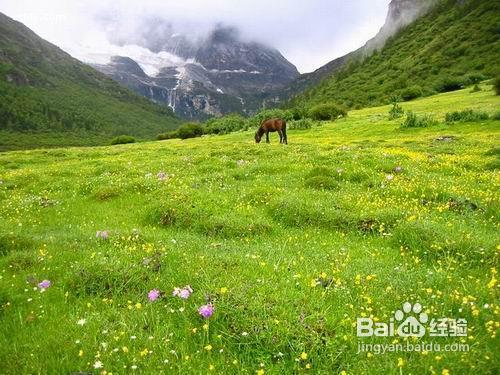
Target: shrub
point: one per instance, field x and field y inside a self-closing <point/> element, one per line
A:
<point x="122" y="139"/>
<point x="396" y="111"/>
<point x="475" y="78"/>
<point x="189" y="131"/>
<point x="185" y="131"/>
<point x="301" y="124"/>
<point x="412" y="92"/>
<point x="267" y="114"/>
<point x="449" y="84"/>
<point x="414" y="121"/>
<point x="496" y="116"/>
<point x="299" y="112"/>
<point x="327" y="111"/>
<point x="496" y="85"/>
<point x="476" y="88"/>
<point x="225" y="125"/>
<point x="467" y="115"/>
<point x="167" y="135"/>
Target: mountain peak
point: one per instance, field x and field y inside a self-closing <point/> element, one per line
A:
<point x="218" y="74"/>
<point x="224" y="34"/>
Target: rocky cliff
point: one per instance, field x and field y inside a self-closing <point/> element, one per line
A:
<point x="213" y="76"/>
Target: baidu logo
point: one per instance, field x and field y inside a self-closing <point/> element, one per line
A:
<point x="411" y="321"/>
<point x="411" y="325"/>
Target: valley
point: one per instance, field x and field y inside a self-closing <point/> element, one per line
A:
<point x="357" y="217"/>
<point x="144" y="231"/>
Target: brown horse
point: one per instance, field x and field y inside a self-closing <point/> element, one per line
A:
<point x="272" y="125"/>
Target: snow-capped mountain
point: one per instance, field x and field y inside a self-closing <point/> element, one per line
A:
<point x="209" y="76"/>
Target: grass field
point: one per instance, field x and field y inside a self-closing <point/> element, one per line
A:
<point x="290" y="244"/>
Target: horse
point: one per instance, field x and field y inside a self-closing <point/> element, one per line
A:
<point x="272" y="125"/>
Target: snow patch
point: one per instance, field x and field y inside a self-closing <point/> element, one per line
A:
<point x="150" y="62"/>
<point x="230" y="71"/>
<point x="238" y="71"/>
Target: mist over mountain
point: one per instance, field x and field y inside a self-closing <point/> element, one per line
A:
<point x="219" y="72"/>
<point x="172" y="42"/>
<point x="199" y="76"/>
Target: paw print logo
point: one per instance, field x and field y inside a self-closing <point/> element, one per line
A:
<point x="412" y="319"/>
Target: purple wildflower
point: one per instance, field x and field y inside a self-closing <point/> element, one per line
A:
<point x="153" y="295"/>
<point x="44" y="284"/>
<point x="104" y="234"/>
<point x="206" y="311"/>
<point x="398" y="169"/>
<point x="162" y="176"/>
<point x="183" y="293"/>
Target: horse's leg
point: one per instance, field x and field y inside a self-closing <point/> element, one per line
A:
<point x="280" y="132"/>
<point x="285" y="138"/>
<point x="267" y="137"/>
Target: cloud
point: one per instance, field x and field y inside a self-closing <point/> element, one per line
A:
<point x="308" y="33"/>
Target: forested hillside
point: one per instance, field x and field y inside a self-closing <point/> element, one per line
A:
<point x="49" y="98"/>
<point x="454" y="45"/>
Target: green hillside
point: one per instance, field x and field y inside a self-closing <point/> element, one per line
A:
<point x="48" y="98"/>
<point x="290" y="244"/>
<point x="456" y="44"/>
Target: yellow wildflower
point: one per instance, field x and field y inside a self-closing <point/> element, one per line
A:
<point x="493" y="280"/>
<point x="357" y="280"/>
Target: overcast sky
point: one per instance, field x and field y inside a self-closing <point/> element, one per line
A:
<point x="309" y="33"/>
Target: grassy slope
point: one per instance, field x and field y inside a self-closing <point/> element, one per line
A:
<point x="238" y="215"/>
<point x="451" y="43"/>
<point x="50" y="99"/>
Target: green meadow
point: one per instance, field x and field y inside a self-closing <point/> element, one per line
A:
<point x="288" y="244"/>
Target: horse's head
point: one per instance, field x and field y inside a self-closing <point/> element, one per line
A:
<point x="258" y="137"/>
